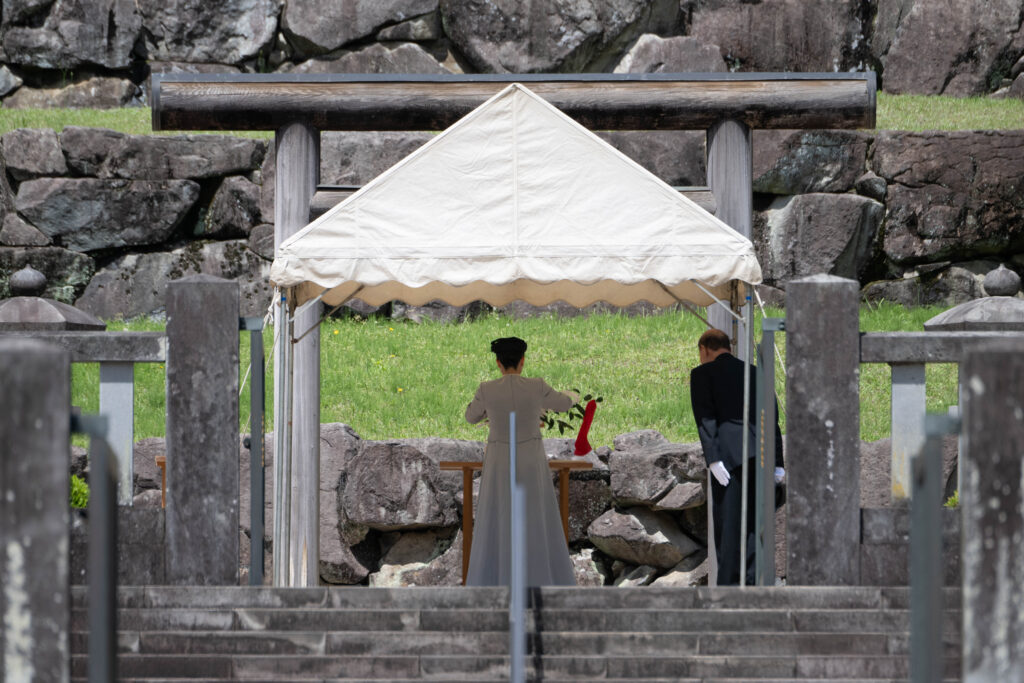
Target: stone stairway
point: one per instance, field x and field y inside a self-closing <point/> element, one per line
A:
<point x="726" y="635"/>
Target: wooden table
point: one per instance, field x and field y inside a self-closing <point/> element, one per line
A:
<point x="561" y="466"/>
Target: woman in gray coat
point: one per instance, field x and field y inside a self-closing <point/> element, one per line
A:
<point x="547" y="554"/>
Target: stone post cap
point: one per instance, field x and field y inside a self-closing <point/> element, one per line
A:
<point x="1001" y="282"/>
<point x="27" y="282"/>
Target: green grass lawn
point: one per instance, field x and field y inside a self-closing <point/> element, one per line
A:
<point x="400" y="379"/>
<point x="893" y="112"/>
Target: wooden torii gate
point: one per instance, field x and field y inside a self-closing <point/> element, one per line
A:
<point x="297" y="107"/>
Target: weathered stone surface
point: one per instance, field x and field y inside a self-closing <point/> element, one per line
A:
<point x="569" y="35"/>
<point x="73" y="33"/>
<point x="134" y="284"/>
<point x="421" y="558"/>
<point x="99" y="92"/>
<point x="676" y="157"/>
<point x="640" y="536"/>
<point x="588" y="500"/>
<point x="818" y="233"/>
<point x="635" y="441"/>
<point x="33" y="152"/>
<point x="682" y="496"/>
<point x="34" y="514"/>
<point x="870" y="185"/>
<point x="638" y="576"/>
<point x="947" y="287"/>
<point x="692" y="571"/>
<point x="678" y="54"/>
<point x="438" y="311"/>
<point x="261" y="240"/>
<point x="108" y="154"/>
<point x="876" y="470"/>
<point x="782" y="35"/>
<point x="149" y="498"/>
<point x="8" y="81"/>
<point x="952" y="48"/>
<point x="521" y="309"/>
<point x="67" y="272"/>
<point x="234" y="210"/>
<point x="85" y="214"/>
<point x="227" y="32"/>
<point x="318" y="26"/>
<point x="823" y="425"/>
<point x="202" y="431"/>
<point x="644" y="476"/>
<point x="423" y="28"/>
<point x="1003" y="313"/>
<point x="144" y="468"/>
<point x="391" y="485"/>
<point x="588" y="571"/>
<point x="376" y="59"/>
<point x="797" y="162"/>
<point x="17" y="233"/>
<point x="1001" y="282"/>
<point x="951" y="194"/>
<point x="356" y="158"/>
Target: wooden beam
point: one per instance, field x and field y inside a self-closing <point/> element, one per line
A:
<point x="329" y="196"/>
<point x="598" y="101"/>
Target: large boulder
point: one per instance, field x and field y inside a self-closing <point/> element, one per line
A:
<point x="782" y="35"/>
<point x="948" y="47"/>
<point x="951" y="194"/>
<point x="226" y="32"/>
<point x="678" y="54"/>
<point x="504" y="36"/>
<point x="645" y="476"/>
<point x="33" y="152"/>
<point x="641" y="537"/>
<point x="796" y="162"/>
<point x="818" y="233"/>
<point x="108" y="154"/>
<point x="589" y="498"/>
<point x="356" y="158"/>
<point x="407" y="58"/>
<point x="135" y="284"/>
<point x="67" y="272"/>
<point x="420" y="558"/>
<point x="675" y="156"/>
<point x="14" y="232"/>
<point x="72" y="33"/>
<point x="86" y="214"/>
<point x="947" y="286"/>
<point x="390" y="485"/>
<point x="315" y="27"/>
<point x="98" y="92"/>
<point x="8" y="81"/>
<point x="234" y="210"/>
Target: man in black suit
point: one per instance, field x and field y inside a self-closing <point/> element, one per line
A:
<point x="716" y="394"/>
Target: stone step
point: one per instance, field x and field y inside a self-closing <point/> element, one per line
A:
<point x="654" y="597"/>
<point x="546" y="620"/>
<point x="495" y="667"/>
<point x="496" y="643"/>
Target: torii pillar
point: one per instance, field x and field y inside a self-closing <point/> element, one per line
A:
<point x="298" y="106"/>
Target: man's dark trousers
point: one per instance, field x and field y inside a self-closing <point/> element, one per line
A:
<point x="727" y="526"/>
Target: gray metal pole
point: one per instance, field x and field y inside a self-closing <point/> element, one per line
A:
<point x="256" y="461"/>
<point x="517" y="572"/>
<point x="748" y="340"/>
<point x="926" y="566"/>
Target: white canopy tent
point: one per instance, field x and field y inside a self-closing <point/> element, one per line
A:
<point x="514" y="201"/>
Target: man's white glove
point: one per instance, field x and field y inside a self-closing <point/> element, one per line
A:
<point x="721" y="474"/>
<point x="780" y="474"/>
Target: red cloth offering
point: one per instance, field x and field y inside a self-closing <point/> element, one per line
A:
<point x="582" y="445"/>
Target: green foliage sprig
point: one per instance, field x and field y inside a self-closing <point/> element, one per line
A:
<point x="577" y="411"/>
<point x="79" y="492"/>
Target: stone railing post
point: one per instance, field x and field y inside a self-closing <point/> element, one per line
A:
<point x="202" y="431"/>
<point x="823" y="431"/>
<point x="35" y="444"/>
<point x="992" y="509"/>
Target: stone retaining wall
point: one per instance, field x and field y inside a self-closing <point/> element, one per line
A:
<point x="101" y="53"/>
<point x="111" y="218"/>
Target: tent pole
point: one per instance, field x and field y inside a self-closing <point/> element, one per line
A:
<point x="749" y="342"/>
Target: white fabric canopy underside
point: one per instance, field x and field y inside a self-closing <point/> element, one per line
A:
<point x="516" y="201"/>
